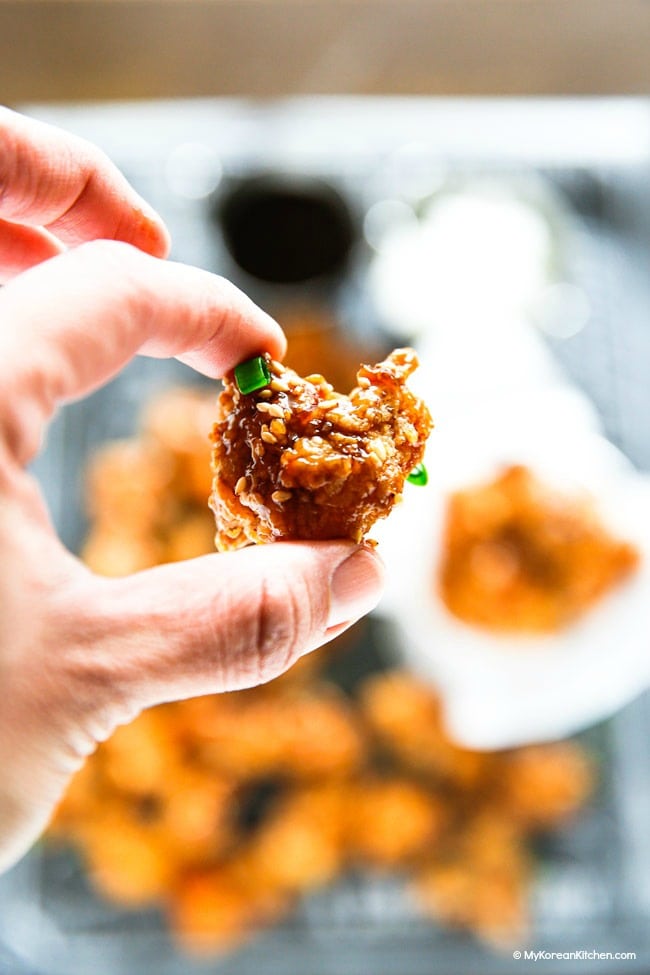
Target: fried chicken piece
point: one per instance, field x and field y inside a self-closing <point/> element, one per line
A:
<point x="303" y="735"/>
<point x="297" y="460"/>
<point x="519" y="557"/>
<point x="178" y="421"/>
<point x="128" y="862"/>
<point x="129" y="488"/>
<point x="213" y="910"/>
<point x="405" y="716"/>
<point x="392" y="822"/>
<point x="300" y="845"/>
<point x="480" y="883"/>
<point x="208" y="913"/>
<point x="492" y="903"/>
<point x="191" y="537"/>
<point x="115" y="553"/>
<point x="193" y="815"/>
<point x="140" y="757"/>
<point x="543" y="785"/>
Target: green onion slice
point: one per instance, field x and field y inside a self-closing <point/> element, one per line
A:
<point x="252" y="375"/>
<point x="418" y="475"/>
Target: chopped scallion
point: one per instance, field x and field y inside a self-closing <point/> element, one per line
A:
<point x="252" y="375"/>
<point x="418" y="475"/>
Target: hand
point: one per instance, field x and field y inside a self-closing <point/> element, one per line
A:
<point x="79" y="654"/>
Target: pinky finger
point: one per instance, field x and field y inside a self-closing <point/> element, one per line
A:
<point x="22" y="247"/>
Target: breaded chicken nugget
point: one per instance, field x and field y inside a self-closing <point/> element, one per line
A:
<point x="294" y="459"/>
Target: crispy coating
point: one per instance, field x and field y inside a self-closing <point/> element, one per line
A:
<point x="392" y="822"/>
<point x="129" y="862"/>
<point x="543" y="785"/>
<point x="406" y="717"/>
<point x="209" y="913"/>
<point x="178" y="422"/>
<point x="225" y="809"/>
<point x="129" y="488"/>
<point x="170" y="810"/>
<point x="300" y="845"/>
<point x="140" y="757"/>
<point x="297" y="460"/>
<point x="214" y="909"/>
<point x="518" y="557"/>
<point x="110" y="552"/>
<point x="490" y="902"/>
<point x="193" y="816"/>
<point x="296" y="734"/>
<point x="480" y="882"/>
<point x="190" y="537"/>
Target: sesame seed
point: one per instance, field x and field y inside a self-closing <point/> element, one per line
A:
<point x="280" y="496"/>
<point x="274" y="409"/>
<point x="241" y="485"/>
<point x="278" y="427"/>
<point x="328" y="404"/>
<point x="378" y="447"/>
<point x="279" y="386"/>
<point x="364" y="382"/>
<point x="268" y="437"/>
<point x="265" y="393"/>
<point x="276" y="366"/>
<point x="316" y="379"/>
<point x="263" y="407"/>
<point x="410" y="433"/>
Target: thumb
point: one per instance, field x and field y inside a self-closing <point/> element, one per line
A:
<point x="228" y="621"/>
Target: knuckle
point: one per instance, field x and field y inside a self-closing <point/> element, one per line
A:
<point x="230" y="300"/>
<point x="124" y="266"/>
<point x="282" y="623"/>
<point x="92" y="159"/>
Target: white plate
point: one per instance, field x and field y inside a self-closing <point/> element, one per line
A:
<point x="504" y="691"/>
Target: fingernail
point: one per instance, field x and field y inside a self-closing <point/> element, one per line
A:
<point x="152" y="234"/>
<point x="356" y="586"/>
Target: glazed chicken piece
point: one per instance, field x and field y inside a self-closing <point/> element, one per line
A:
<point x="298" y="460"/>
<point x="519" y="556"/>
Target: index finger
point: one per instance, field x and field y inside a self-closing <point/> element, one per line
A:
<point x="70" y="324"/>
<point x="52" y="179"/>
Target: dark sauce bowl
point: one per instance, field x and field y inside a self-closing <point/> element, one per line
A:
<point x="286" y="230"/>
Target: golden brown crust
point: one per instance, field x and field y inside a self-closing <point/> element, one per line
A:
<point x="520" y="557"/>
<point x="222" y="810"/>
<point x="297" y="460"/>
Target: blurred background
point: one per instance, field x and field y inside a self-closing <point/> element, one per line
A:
<point x="467" y="774"/>
<point x="57" y="49"/>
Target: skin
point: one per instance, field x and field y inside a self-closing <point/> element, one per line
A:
<point x="86" y="290"/>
